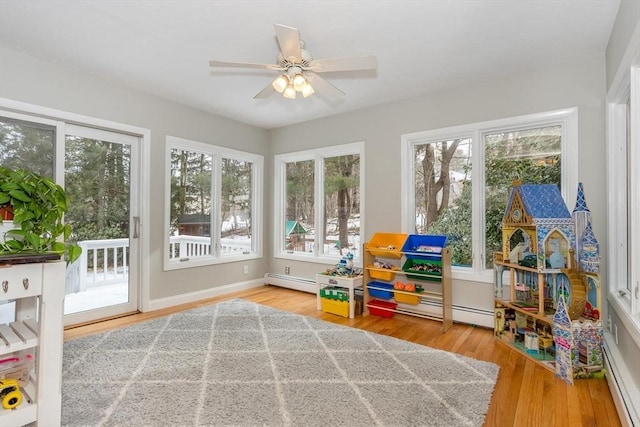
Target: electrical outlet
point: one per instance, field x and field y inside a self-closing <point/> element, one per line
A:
<point x="287" y="270"/>
<point x="245" y="269"/>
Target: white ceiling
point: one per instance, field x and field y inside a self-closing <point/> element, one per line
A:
<point x="163" y="46"/>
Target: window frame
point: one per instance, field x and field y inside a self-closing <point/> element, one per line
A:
<point x="623" y="189"/>
<point x="217" y="153"/>
<point x="567" y="118"/>
<point x="279" y="207"/>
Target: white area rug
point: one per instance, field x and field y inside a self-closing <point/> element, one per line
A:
<point x="238" y="363"/>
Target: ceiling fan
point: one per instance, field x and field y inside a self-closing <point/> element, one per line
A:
<point x="299" y="72"/>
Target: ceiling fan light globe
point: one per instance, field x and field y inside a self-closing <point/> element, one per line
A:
<point x="289" y="92"/>
<point x="299" y="82"/>
<point x="280" y="83"/>
<point x="307" y="90"/>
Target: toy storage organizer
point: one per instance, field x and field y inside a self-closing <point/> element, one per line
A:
<point x="35" y="337"/>
<point x="401" y="271"/>
<point x="337" y="294"/>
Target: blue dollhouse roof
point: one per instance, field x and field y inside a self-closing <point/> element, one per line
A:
<point x="541" y="201"/>
<point x="581" y="203"/>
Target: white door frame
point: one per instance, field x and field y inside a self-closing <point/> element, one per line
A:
<point x="34" y="113"/>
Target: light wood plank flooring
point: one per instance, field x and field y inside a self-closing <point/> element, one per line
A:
<point x="526" y="394"/>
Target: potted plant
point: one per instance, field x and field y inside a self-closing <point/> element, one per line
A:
<point x="38" y="205"/>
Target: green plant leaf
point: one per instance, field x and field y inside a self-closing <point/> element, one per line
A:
<point x="35" y="241"/>
<point x="58" y="247"/>
<point x="20" y="195"/>
<point x="67" y="231"/>
<point x="9" y="185"/>
<point x="73" y="253"/>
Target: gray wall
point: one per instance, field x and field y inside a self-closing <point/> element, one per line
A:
<point x="577" y="83"/>
<point x="627" y="21"/>
<point x="27" y="79"/>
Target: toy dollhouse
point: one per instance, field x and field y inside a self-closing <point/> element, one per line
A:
<point x="552" y="260"/>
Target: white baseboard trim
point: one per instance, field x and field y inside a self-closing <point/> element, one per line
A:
<point x="625" y="393"/>
<point x="172" y="301"/>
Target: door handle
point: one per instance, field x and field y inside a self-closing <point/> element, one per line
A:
<point x="136" y="227"/>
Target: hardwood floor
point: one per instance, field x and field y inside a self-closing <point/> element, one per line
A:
<point x="526" y="394"/>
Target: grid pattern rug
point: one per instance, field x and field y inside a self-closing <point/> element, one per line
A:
<point x="237" y="363"/>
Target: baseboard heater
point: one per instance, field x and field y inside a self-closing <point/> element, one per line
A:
<point x="626" y="395"/>
<point x="291" y="282"/>
<point x="461" y="314"/>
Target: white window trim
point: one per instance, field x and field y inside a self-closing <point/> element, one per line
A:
<point x="257" y="183"/>
<point x="568" y="118"/>
<point x="279" y="205"/>
<point x="625" y="86"/>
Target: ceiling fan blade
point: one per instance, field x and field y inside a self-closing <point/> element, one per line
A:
<point x="324" y="87"/>
<point x="225" y="64"/>
<point x="289" y="41"/>
<point x="266" y="92"/>
<point x="344" y="64"/>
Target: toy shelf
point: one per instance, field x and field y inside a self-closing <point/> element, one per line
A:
<point x="18" y="336"/>
<point x="420" y="249"/>
<point x="543" y="318"/>
<point x="530" y="269"/>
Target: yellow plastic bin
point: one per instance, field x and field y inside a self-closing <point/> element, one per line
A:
<point x="386" y="275"/>
<point x="341" y="308"/>
<point x="386" y="245"/>
<point x="406" y="298"/>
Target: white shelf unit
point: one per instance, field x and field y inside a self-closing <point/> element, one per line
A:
<point x="38" y="292"/>
<point x="348" y="283"/>
<point x="437" y="288"/>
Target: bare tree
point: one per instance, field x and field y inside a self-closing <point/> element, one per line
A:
<point x="437" y="180"/>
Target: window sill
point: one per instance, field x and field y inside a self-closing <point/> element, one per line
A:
<point x="303" y="257"/>
<point x="192" y="263"/>
<point x="622" y="309"/>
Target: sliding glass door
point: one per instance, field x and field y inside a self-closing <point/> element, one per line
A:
<point x="100" y="173"/>
<point x="100" y="182"/>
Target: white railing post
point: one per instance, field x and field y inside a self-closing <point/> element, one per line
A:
<point x="82" y="285"/>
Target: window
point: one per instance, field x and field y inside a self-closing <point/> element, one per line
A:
<point x="623" y="190"/>
<point x="318" y="203"/>
<point x="213" y="204"/>
<point x="532" y="155"/>
<point x="27" y="144"/>
<point x="458" y="180"/>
